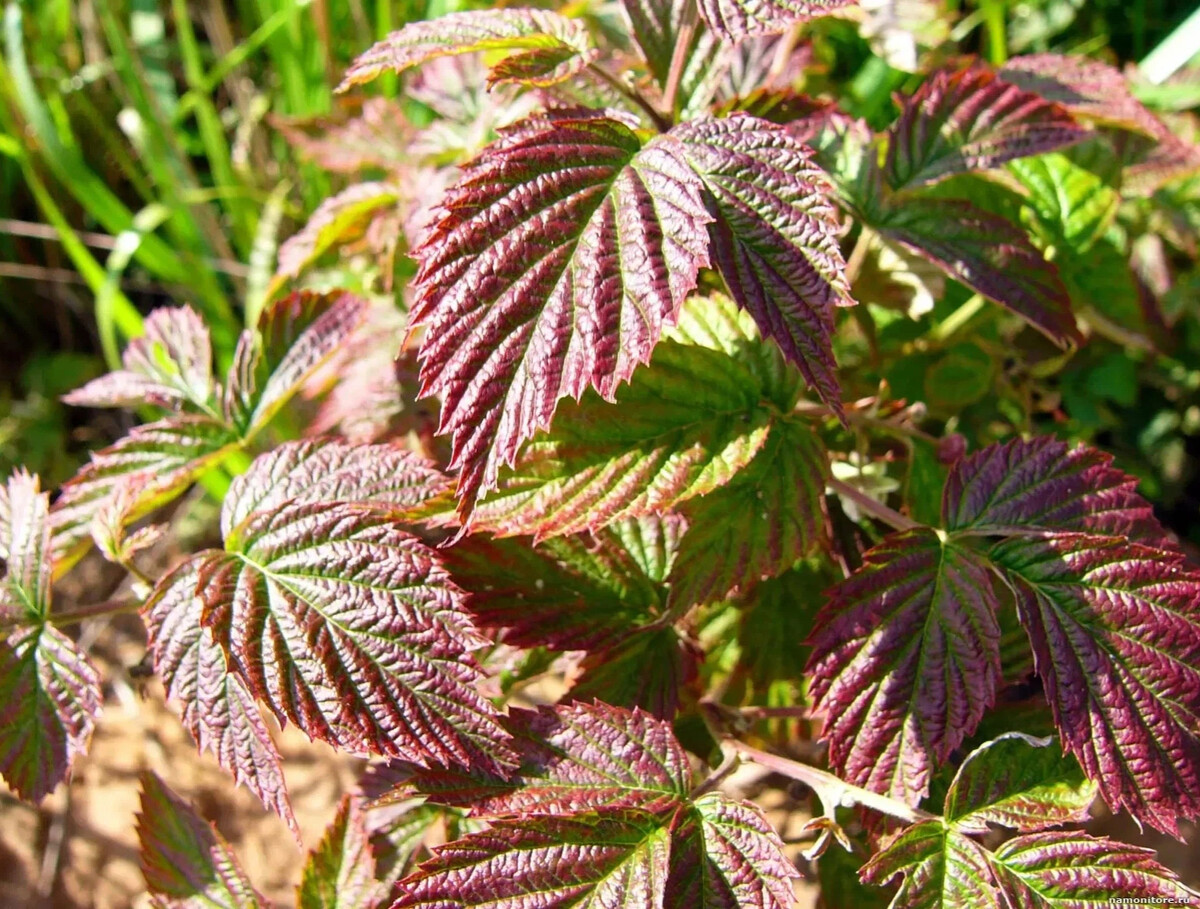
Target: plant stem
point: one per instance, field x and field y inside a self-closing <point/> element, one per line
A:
<point x="683" y="43"/>
<point x="730" y="761"/>
<point x="859" y="254"/>
<point x="874" y="508"/>
<point x="832" y="789"/>
<point x="656" y="117"/>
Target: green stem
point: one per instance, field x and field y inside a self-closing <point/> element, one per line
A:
<point x="656" y="117"/>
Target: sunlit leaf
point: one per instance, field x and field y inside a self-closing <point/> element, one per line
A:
<point x="340" y="872"/>
<point x="25" y="548"/>
<point x="734" y="20"/>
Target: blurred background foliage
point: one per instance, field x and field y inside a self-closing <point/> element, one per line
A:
<point x="148" y="155"/>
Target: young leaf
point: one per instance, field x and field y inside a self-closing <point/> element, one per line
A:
<point x="564" y="251"/>
<point x="942" y="869"/>
<point x="971" y="120"/>
<point x="725" y="855"/>
<point x="1073" y="205"/>
<point x="1086" y="87"/>
<point x="543" y="47"/>
<point x="773" y="236"/>
<point x="1017" y="781"/>
<point x="340" y="872"/>
<point x="768" y="516"/>
<point x="683" y="426"/>
<point x="1042" y="484"/>
<point x="610" y="858"/>
<point x="49" y="700"/>
<point x="217" y="708"/>
<point x="646" y="669"/>
<point x="987" y="254"/>
<point x="25" y="534"/>
<point x="734" y="20"/>
<point x="906" y="658"/>
<point x="186" y="862"/>
<point x="658" y="26"/>
<point x="169" y="365"/>
<point x="1116" y="643"/>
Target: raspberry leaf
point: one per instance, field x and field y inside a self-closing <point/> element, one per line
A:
<point x="340" y="872"/>
<point x="25" y="548"/>
<point x="563" y="252"/>
<point x="186" y="862"/>
<point x="906" y="659"/>
<point x="941" y="869"/>
<point x="734" y="20"/>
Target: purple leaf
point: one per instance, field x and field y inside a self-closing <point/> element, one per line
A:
<point x="349" y="628"/>
<point x="734" y="20"/>
<point x="906" y="659"/>
<point x="168" y="365"/>
<point x="544" y="47"/>
<point x="968" y="121"/>
<point x="774" y="236"/>
<point x="217" y="709"/>
<point x="647" y="669"/>
<point x="25" y="547"/>
<point x="725" y="855"/>
<point x="768" y="516"/>
<point x="340" y="872"/>
<point x="613" y="858"/>
<point x="374" y="135"/>
<point x="683" y="426"/>
<point x="987" y="254"/>
<point x="1017" y="781"/>
<point x="49" y="700"/>
<point x="1117" y="645"/>
<point x="1086" y="87"/>
<point x="187" y="863"/>
<point x="1042" y="484"/>
<point x="385" y="477"/>
<point x="658" y="26"/>
<point x="563" y="252"/>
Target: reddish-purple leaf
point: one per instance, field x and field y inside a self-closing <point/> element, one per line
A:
<point x="773" y="236"/>
<point x="217" y="709"/>
<point x="49" y="700"/>
<point x="385" y="477"/>
<point x="725" y="855"/>
<point x="156" y="462"/>
<point x="734" y="20"/>
<point x="1116" y="642"/>
<point x="1043" y="484"/>
<point x="544" y="47"/>
<point x="972" y="120"/>
<point x="613" y="858"/>
<point x="906" y="659"/>
<point x="563" y="252"/>
<point x="349" y="628"/>
<point x="239" y="393"/>
<point x="1018" y="781"/>
<point x="768" y="516"/>
<point x="25" y="548"/>
<point x="186" y="862"/>
<point x="168" y="365"/>
<point x="657" y="26"/>
<point x="374" y="135"/>
<point x="987" y="254"/>
<point x="340" y="872"/>
<point x="1086" y="87"/>
<point x="942" y="869"/>
<point x="647" y="669"/>
<point x="682" y="427"/>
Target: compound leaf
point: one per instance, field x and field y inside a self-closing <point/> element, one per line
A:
<point x="25" y="548"/>
<point x="186" y="862"/>
<point x="971" y="120"/>
<point x="734" y="20"/>
<point x="906" y="659"/>
<point x="1017" y="781"/>
<point x="1117" y="646"/>
<point x="340" y="872"/>
<point x="563" y="252"/>
<point x="544" y="48"/>
<point x="217" y="708"/>
<point x="49" y="700"/>
<point x="773" y="236"/>
<point x="942" y="869"/>
<point x="683" y="426"/>
<point x="169" y="365"/>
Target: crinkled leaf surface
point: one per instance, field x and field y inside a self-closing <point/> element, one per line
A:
<point x="1116" y="643"/>
<point x="1018" y="781"/>
<point x="1085" y="86"/>
<point x="49" y="700"/>
<point x="773" y="236"/>
<point x="658" y="26"/>
<point x="544" y="47"/>
<point x="734" y="20"/>
<point x="647" y="669"/>
<point x="340" y="872"/>
<point x="941" y="869"/>
<point x="217" y="708"/>
<point x="25" y="549"/>
<point x="187" y="863"/>
<point x="905" y="660"/>
<point x="340" y="217"/>
<point x="971" y="120"/>
<point x="987" y="254"/>
<point x="759" y="524"/>
<point x="169" y="365"/>
<point x="1073" y="205"/>
<point x="563" y="252"/>
<point x="683" y="426"/>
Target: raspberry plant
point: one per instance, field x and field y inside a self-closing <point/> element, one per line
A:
<point x="664" y="233"/>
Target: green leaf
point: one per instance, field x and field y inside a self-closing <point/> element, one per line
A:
<point x="25" y="548"/>
<point x="1072" y="205"/>
<point x="340" y="872"/>
<point x="942" y="870"/>
<point x="648" y="669"/>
